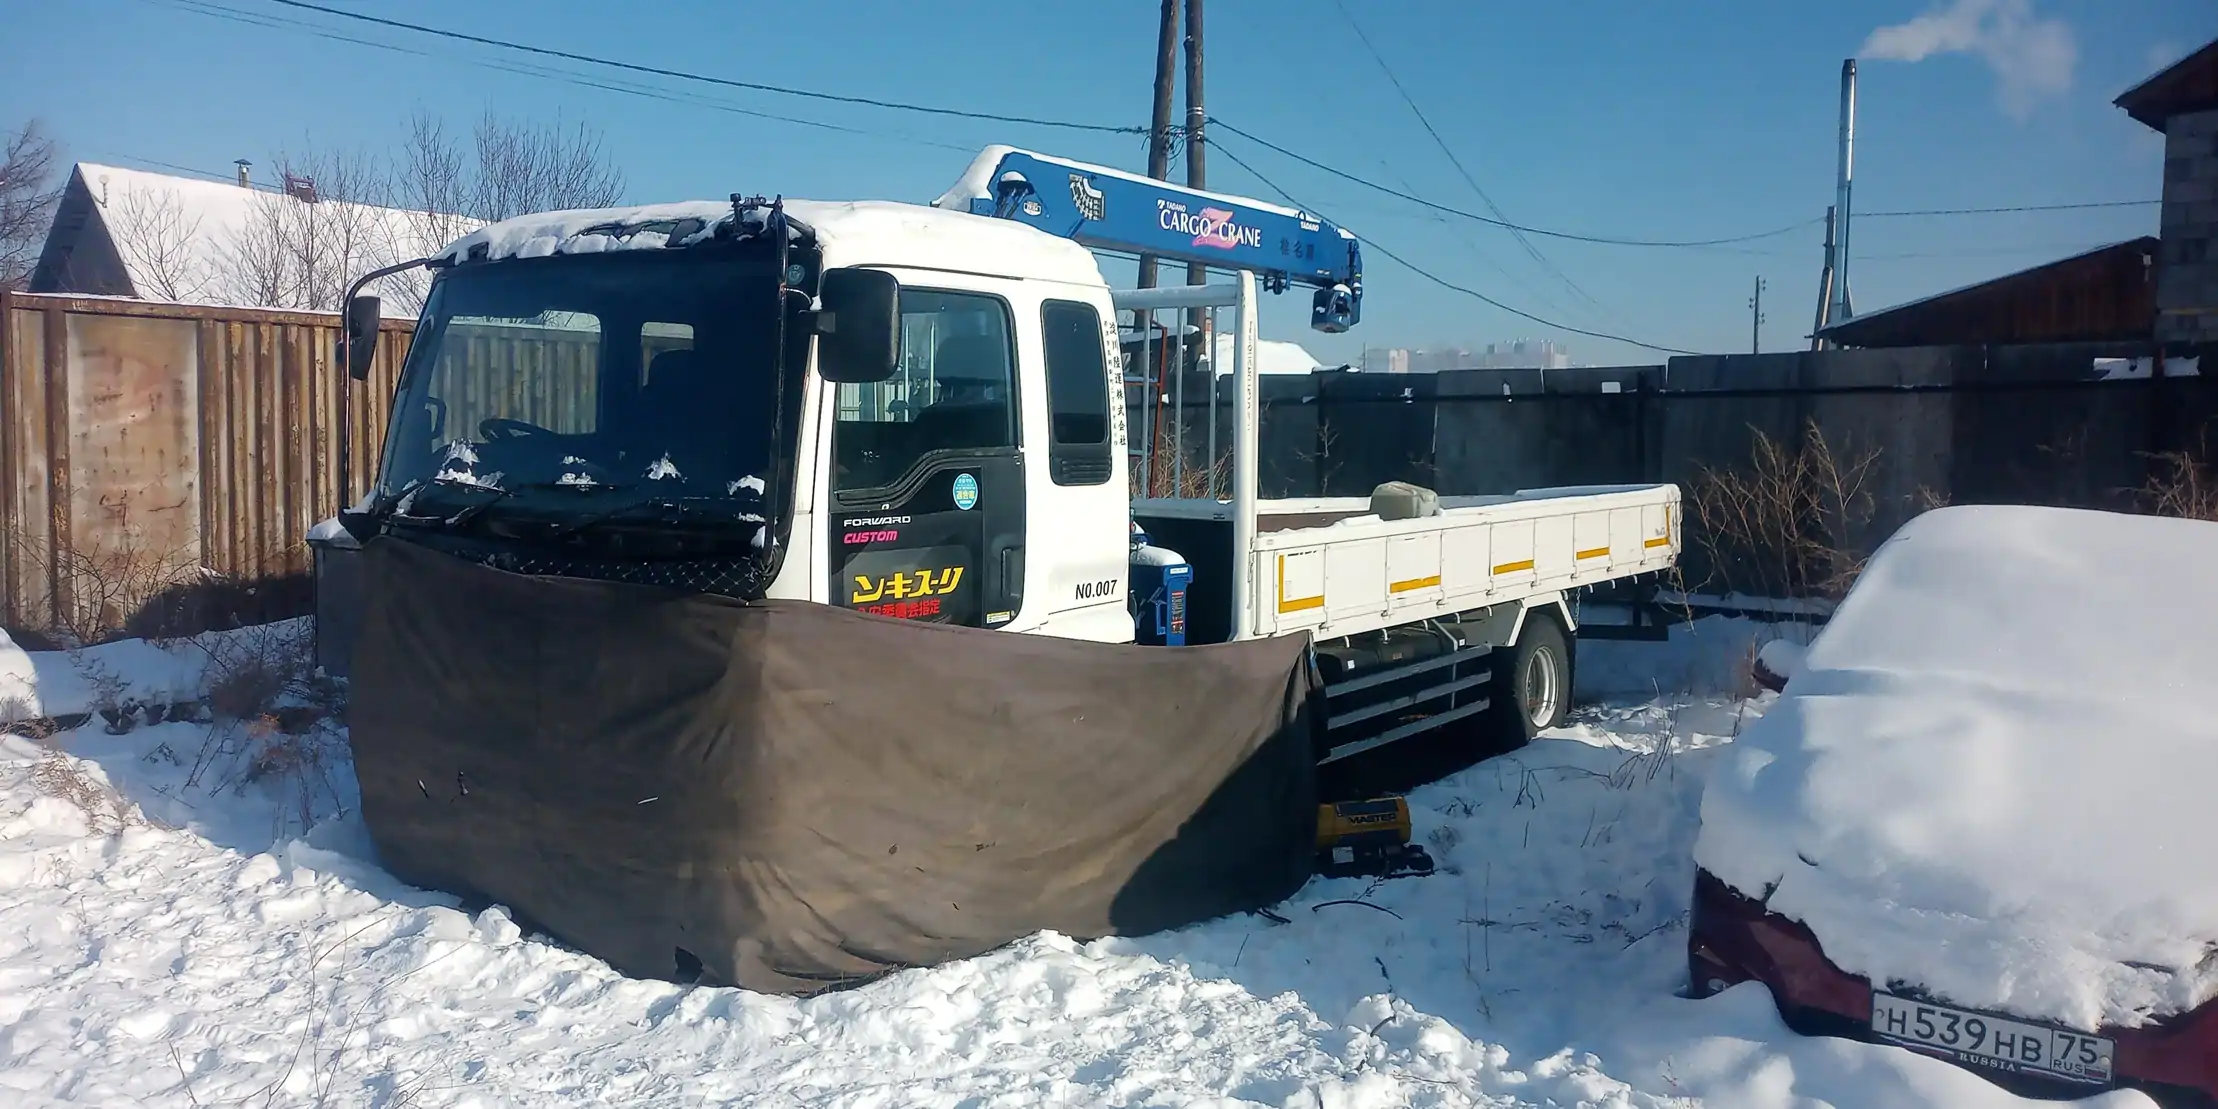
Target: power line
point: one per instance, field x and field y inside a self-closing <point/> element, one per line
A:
<point x="1468" y="177"/>
<point x="235" y="15"/>
<point x="2059" y="249"/>
<point x="1439" y="207"/>
<point x="1461" y="231"/>
<point x="2017" y="208"/>
<point x="684" y="75"/>
<point x="1690" y="243"/>
<point x="278" y="23"/>
<point x="1447" y="284"/>
<point x="224" y="178"/>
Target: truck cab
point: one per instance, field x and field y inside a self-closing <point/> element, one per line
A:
<point x="666" y="395"/>
<point x="984" y="482"/>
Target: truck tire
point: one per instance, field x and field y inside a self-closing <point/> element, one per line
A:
<point x="1532" y="682"/>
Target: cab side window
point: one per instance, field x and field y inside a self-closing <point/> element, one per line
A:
<point x="1078" y="451"/>
<point x="955" y="391"/>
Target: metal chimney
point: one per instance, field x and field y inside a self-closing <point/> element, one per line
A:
<point x="1842" y="308"/>
<point x="244" y="181"/>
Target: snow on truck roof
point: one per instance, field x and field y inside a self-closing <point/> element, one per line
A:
<point x="863" y="232"/>
<point x="1991" y="776"/>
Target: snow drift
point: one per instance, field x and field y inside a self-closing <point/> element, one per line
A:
<point x="204" y="956"/>
<point x="1991" y="775"/>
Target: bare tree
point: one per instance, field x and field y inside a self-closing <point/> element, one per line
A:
<point x="524" y="167"/>
<point x="156" y="234"/>
<point x="451" y="185"/>
<point x="509" y="168"/>
<point x="432" y="181"/>
<point x="304" y="243"/>
<point x="301" y="246"/>
<point x="255" y="260"/>
<point x="28" y="194"/>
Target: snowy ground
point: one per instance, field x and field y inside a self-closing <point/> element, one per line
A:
<point x="215" y="941"/>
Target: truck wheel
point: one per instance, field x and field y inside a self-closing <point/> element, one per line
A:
<point x="1532" y="682"/>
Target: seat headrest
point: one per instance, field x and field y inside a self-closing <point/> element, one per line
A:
<point x="672" y="367"/>
<point x="982" y="358"/>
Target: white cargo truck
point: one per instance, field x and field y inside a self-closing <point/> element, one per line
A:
<point x="918" y="411"/>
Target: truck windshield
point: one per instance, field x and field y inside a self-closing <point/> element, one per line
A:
<point x="570" y="386"/>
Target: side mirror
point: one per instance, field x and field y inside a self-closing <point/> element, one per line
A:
<point x="363" y="315"/>
<point x="859" y="327"/>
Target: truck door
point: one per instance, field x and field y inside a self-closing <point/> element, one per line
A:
<point x="927" y="483"/>
<point x="1081" y="509"/>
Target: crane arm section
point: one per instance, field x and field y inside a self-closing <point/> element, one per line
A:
<point x="1110" y="210"/>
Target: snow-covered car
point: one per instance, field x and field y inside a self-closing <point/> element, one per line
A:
<point x="1982" y="820"/>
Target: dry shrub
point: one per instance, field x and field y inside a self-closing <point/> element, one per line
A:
<point x="120" y="579"/>
<point x="59" y="776"/>
<point x="15" y="713"/>
<point x="1190" y="481"/>
<point x="1326" y="457"/>
<point x="108" y="583"/>
<point x="55" y="774"/>
<point x="273" y="719"/>
<point x="1786" y="525"/>
<point x="2183" y="485"/>
<point x="248" y="674"/>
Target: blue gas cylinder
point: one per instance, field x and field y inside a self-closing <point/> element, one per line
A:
<point x="1160" y="578"/>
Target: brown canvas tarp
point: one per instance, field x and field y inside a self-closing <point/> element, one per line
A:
<point x="797" y="796"/>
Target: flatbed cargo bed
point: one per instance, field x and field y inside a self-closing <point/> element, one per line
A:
<point x="1331" y="567"/>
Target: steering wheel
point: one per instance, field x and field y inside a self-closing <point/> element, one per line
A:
<point x="498" y="429"/>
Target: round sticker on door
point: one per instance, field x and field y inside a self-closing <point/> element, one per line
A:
<point x="966" y="492"/>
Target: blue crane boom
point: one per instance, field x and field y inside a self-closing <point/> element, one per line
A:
<point x="1107" y="209"/>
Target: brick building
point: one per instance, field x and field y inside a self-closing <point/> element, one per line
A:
<point x="2182" y="102"/>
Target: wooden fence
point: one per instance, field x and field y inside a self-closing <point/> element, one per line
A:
<point x="154" y="456"/>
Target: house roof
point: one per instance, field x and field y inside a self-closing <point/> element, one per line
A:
<point x="155" y="236"/>
<point x="2187" y="85"/>
<point x="2102" y="294"/>
<point x="1272" y="356"/>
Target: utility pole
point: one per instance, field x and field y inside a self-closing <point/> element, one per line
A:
<point x="1197" y="175"/>
<point x="1159" y="126"/>
<point x="1756" y="319"/>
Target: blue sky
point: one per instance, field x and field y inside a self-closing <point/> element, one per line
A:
<point x="1695" y="119"/>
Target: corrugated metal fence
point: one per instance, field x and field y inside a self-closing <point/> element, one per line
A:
<point x="149" y="452"/>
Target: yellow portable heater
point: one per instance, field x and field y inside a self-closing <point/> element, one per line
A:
<point x="1358" y="839"/>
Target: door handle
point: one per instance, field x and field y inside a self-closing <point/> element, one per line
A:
<point x="1012" y="575"/>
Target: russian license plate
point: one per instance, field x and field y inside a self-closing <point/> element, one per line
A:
<point x="1991" y="1041"/>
